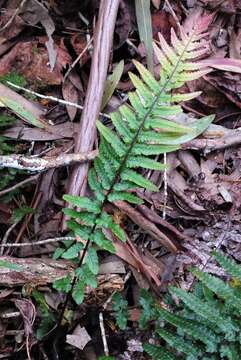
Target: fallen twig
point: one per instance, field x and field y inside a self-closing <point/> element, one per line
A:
<point x="77" y="59"/>
<point x="233" y="138"/>
<point x="40" y="242"/>
<point x="49" y="97"/>
<point x="18" y="185"/>
<point x="103" y="334"/>
<point x="34" y="164"/>
<point x="6" y="235"/>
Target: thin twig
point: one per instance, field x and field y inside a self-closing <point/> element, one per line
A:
<point x="6" y="235"/>
<point x="173" y="13"/>
<point x="103" y="334"/>
<point x="78" y="58"/>
<point x="52" y="98"/>
<point x="16" y="12"/>
<point x="40" y="242"/>
<point x="20" y="184"/>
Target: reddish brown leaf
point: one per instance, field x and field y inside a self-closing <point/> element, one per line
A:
<point x="30" y="59"/>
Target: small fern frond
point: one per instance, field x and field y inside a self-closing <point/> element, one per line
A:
<point x="228" y="265"/>
<point x="178" y="343"/>
<point x="207" y="311"/>
<point x="218" y="287"/>
<point x="141" y="129"/>
<point x="192" y="328"/>
<point x="158" y="353"/>
<point x="207" y="328"/>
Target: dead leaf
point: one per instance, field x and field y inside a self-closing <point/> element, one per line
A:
<point x="146" y="225"/>
<point x="143" y="16"/>
<point x="123" y="24"/>
<point x="70" y="93"/>
<point x="60" y="131"/>
<point x="162" y="22"/>
<point x="14" y="29"/>
<point x="79" y="338"/>
<point x="34" y="108"/>
<point x="79" y="43"/>
<point x="28" y="312"/>
<point x="35" y="12"/>
<point x="156" y="3"/>
<point x="30" y="59"/>
<point x="111" y="83"/>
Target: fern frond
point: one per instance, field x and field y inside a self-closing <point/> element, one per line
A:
<point x="158" y="353"/>
<point x="207" y="311"/>
<point x="218" y="287"/>
<point x="229" y="265"/>
<point x="205" y="324"/>
<point x="194" y="329"/>
<point x="141" y="130"/>
<point x="179" y="344"/>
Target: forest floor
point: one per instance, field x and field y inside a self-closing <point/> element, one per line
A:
<point x="46" y="48"/>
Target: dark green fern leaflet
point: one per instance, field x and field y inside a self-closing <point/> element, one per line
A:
<point x="208" y="326"/>
<point x="143" y="129"/>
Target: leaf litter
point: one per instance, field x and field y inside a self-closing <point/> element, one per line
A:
<point x="40" y="44"/>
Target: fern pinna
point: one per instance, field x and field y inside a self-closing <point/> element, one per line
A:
<point x="142" y="129"/>
<point x="209" y="324"/>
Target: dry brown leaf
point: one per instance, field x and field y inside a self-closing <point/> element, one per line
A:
<point x="30" y="59"/>
<point x="79" y="338"/>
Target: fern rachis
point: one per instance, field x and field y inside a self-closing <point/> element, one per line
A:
<point x="142" y="130"/>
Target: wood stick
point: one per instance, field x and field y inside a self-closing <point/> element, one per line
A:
<point x="103" y="38"/>
<point x="38" y="164"/>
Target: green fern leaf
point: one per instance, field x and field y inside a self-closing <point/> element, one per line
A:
<point x="145" y="163"/>
<point x="84" y="203"/>
<point x="63" y="284"/>
<point x="206" y="310"/>
<point x="194" y="329"/>
<point x="87" y="218"/>
<point x="129" y="116"/>
<point x="158" y="353"/>
<point x="229" y="265"/>
<point x="95" y="185"/>
<point x="151" y="149"/>
<point x="141" y="130"/>
<point x="124" y="185"/>
<point x="219" y="287"/>
<point x="179" y="344"/>
<point x="78" y="292"/>
<point x="102" y="176"/>
<point x="99" y="239"/>
<point x="73" y="251"/>
<point x="121" y="195"/>
<point x="138" y="179"/>
<point x="86" y="276"/>
<point x="80" y="230"/>
<point x="91" y="260"/>
<point x="107" y="222"/>
<point x="166" y="125"/>
<point x="112" y="139"/>
<point x="121" y="127"/>
<point x="147" y="77"/>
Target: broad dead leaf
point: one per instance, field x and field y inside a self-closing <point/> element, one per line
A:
<point x="79" y="338"/>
